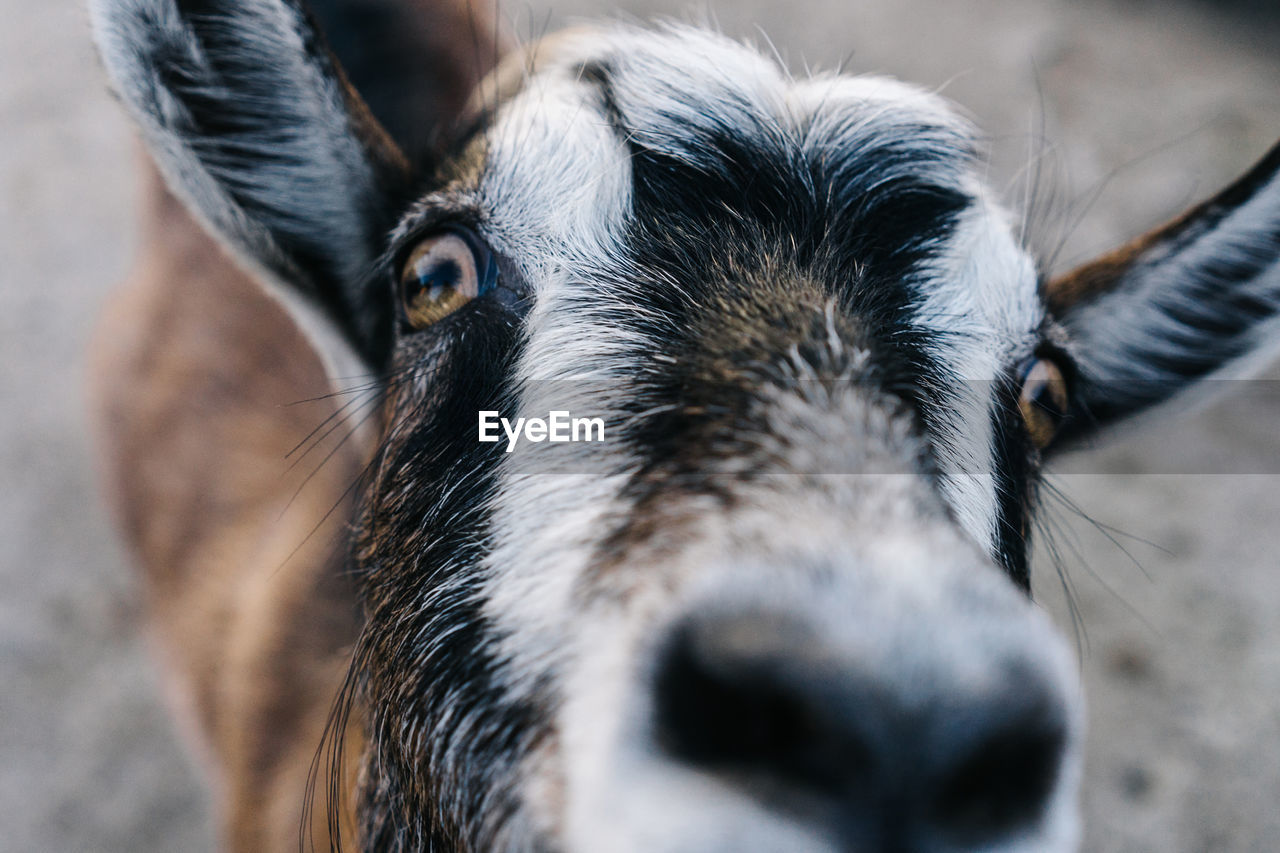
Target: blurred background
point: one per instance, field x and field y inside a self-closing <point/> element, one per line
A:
<point x="1111" y="114"/>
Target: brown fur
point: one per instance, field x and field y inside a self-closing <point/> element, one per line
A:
<point x="194" y="370"/>
<point x="197" y="386"/>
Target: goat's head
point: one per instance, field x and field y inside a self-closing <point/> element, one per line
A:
<point x="783" y="605"/>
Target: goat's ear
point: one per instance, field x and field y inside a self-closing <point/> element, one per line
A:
<point x="256" y="128"/>
<point x="1183" y="302"/>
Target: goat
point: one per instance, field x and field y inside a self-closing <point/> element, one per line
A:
<point x="782" y="605"/>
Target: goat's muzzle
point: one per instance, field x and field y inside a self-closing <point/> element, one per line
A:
<point x="869" y="707"/>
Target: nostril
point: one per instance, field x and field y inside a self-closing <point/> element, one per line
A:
<point x="729" y="708"/>
<point x="883" y="757"/>
<point x="1004" y="784"/>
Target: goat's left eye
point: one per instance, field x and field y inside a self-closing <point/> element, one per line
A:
<point x="1043" y="401"/>
<point x="442" y="273"/>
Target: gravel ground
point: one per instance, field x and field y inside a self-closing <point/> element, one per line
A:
<point x="1116" y="114"/>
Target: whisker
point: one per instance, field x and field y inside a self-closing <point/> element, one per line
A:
<point x="1048" y="530"/>
<point x="1074" y="546"/>
<point x="1113" y="534"/>
<point x="326" y="427"/>
<point x="369" y="414"/>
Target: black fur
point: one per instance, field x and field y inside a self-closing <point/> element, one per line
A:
<point x="739" y="238"/>
<point x="426" y="656"/>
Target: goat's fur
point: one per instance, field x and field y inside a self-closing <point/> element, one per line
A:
<point x="797" y="306"/>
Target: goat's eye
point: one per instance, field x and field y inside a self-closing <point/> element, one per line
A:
<point x="444" y="272"/>
<point x="1043" y="401"/>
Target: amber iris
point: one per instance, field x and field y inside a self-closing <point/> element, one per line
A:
<point x="440" y="275"/>
<point x="1043" y="401"/>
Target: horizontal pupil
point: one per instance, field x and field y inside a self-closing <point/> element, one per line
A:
<point x="1044" y="399"/>
<point x="439" y="277"/>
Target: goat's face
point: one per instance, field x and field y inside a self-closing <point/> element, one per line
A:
<point x="778" y="606"/>
<point x="782" y="605"/>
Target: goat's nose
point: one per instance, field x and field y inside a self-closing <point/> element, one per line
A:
<point x="890" y="759"/>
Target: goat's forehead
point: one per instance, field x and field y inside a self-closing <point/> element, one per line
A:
<point x="675" y="78"/>
<point x="556" y="171"/>
<point x="557" y="164"/>
<point x="677" y="91"/>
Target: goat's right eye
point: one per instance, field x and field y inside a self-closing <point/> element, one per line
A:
<point x="443" y="272"/>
